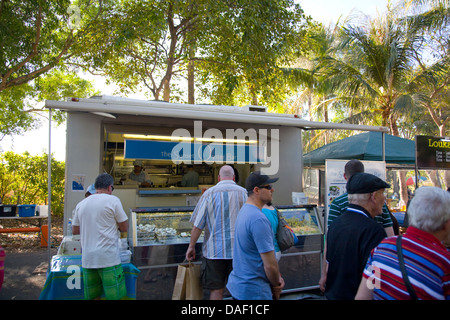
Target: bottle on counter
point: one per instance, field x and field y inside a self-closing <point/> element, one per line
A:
<point x="69" y="227"/>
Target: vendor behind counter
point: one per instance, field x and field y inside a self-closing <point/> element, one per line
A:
<point x="190" y="179"/>
<point x="138" y="175"/>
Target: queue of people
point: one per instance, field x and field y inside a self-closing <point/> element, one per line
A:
<point x="360" y="239"/>
<point x="238" y="247"/>
<point x="363" y="259"/>
<point x="415" y="265"/>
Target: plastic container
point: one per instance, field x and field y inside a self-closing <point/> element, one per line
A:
<point x="299" y="198"/>
<point x="8" y="210"/>
<point x="44" y="236"/>
<point x="125" y="256"/>
<point x="27" y="210"/>
<point x="42" y="211"/>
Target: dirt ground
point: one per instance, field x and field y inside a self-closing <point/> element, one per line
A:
<point x="26" y="262"/>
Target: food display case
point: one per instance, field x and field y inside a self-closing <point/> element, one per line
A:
<point x="301" y="264"/>
<point x="161" y="226"/>
<point x="160" y="238"/>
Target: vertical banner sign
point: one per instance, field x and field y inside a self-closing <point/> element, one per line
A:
<point x="433" y="152"/>
<point x="335" y="182"/>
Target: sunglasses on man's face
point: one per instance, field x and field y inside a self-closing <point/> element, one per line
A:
<point x="268" y="187"/>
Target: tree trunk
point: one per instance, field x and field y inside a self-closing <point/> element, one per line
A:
<point x="166" y="93"/>
<point x="447" y="178"/>
<point x="403" y="190"/>
<point x="433" y="175"/>
<point x="191" y="72"/>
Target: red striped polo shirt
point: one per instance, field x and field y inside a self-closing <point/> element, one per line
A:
<point x="427" y="264"/>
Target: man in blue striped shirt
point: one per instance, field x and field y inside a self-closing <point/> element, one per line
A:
<point x="216" y="213"/>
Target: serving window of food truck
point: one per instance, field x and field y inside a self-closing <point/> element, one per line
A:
<point x="113" y="135"/>
<point x="149" y="173"/>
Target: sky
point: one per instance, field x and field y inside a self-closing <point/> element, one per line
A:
<point x="327" y="11"/>
<point x="36" y="142"/>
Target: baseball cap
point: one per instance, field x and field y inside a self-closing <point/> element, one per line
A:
<point x="256" y="179"/>
<point x="91" y="189"/>
<point x="365" y="183"/>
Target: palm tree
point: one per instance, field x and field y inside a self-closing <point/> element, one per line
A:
<point x="430" y="86"/>
<point x="315" y="95"/>
<point x="370" y="69"/>
<point x="378" y="68"/>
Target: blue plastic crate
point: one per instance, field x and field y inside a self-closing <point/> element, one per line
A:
<point x="26" y="210"/>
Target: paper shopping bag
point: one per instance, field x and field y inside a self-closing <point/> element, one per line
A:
<point x="194" y="290"/>
<point x="179" y="288"/>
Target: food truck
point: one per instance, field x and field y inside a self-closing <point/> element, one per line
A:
<point x="112" y="134"/>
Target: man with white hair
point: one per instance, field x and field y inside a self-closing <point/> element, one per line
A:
<point x="417" y="264"/>
<point x="353" y="235"/>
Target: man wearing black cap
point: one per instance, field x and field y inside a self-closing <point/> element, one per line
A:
<point x="352" y="236"/>
<point x="255" y="274"/>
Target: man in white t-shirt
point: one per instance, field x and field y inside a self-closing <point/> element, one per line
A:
<point x="99" y="219"/>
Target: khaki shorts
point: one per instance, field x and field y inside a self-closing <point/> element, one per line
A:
<point x="109" y="280"/>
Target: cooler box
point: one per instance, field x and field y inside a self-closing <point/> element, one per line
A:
<point x="27" y="210"/>
<point x="8" y="210"/>
<point x="70" y="245"/>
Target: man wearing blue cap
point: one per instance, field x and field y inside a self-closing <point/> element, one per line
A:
<point x="353" y="235"/>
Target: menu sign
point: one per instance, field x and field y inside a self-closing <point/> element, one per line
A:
<point x="433" y="152"/>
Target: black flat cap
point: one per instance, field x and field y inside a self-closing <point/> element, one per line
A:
<point x="256" y="179"/>
<point x="365" y="183"/>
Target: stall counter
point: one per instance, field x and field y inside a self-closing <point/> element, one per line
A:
<point x="160" y="238"/>
<point x="132" y="196"/>
<point x="65" y="279"/>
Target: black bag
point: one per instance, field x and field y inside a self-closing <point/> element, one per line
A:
<point x="401" y="261"/>
<point x="285" y="235"/>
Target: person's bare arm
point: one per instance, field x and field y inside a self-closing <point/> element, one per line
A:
<point x="75" y="230"/>
<point x="195" y="234"/>
<point x="364" y="293"/>
<point x="323" y="277"/>
<point x="389" y="231"/>
<point x="273" y="273"/>
<point x="123" y="226"/>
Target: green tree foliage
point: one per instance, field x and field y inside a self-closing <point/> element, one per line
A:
<point x="36" y="35"/>
<point x="35" y="40"/>
<point x="246" y="45"/>
<point x="13" y="119"/>
<point x="23" y="180"/>
<point x="21" y="107"/>
<point x="392" y="70"/>
<point x="235" y="47"/>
